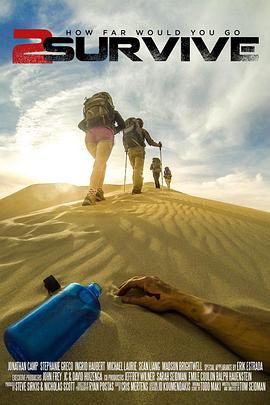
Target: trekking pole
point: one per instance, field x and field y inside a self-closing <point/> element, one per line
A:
<point x="125" y="176"/>
<point x="161" y="166"/>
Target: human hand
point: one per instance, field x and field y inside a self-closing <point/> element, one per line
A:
<point x="160" y="144"/>
<point x="158" y="296"/>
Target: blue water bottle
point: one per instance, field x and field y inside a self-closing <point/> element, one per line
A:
<point x="47" y="332"/>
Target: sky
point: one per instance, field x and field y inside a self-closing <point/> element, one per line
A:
<point x="212" y="117"/>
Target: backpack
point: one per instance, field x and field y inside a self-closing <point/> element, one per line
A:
<point x="156" y="165"/>
<point x="132" y="134"/>
<point x="167" y="173"/>
<point x="98" y="110"/>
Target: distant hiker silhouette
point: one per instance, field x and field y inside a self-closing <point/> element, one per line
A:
<point x="99" y="126"/>
<point x="167" y="176"/>
<point x="134" y="143"/>
<point x="156" y="169"/>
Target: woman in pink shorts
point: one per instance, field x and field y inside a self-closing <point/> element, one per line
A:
<point x="99" y="140"/>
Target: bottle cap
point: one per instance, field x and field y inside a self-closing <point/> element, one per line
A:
<point x="96" y="289"/>
<point x="51" y="284"/>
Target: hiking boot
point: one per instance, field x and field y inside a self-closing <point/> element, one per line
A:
<point x="100" y="195"/>
<point x="136" y="191"/>
<point x="90" y="199"/>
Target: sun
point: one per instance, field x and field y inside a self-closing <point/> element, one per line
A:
<point x="65" y="160"/>
<point x="62" y="161"/>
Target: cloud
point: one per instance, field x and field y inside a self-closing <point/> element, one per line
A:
<point x="6" y="9"/>
<point x="238" y="188"/>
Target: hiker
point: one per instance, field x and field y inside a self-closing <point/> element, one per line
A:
<point x="134" y="143"/>
<point x="156" y="169"/>
<point x="168" y="177"/>
<point x="99" y="127"/>
<point x="244" y="334"/>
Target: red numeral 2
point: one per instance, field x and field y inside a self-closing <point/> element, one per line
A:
<point x="20" y="53"/>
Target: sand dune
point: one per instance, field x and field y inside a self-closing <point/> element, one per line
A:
<point x="215" y="250"/>
<point x="39" y="196"/>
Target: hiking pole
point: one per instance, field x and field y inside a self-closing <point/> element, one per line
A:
<point x="125" y="176"/>
<point x="161" y="166"/>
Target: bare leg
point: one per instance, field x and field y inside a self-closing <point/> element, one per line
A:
<point x="101" y="152"/>
<point x="92" y="149"/>
<point x="104" y="149"/>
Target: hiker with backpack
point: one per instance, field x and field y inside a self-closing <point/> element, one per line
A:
<point x="168" y="177"/>
<point x="134" y="137"/>
<point x="98" y="124"/>
<point x="156" y="169"/>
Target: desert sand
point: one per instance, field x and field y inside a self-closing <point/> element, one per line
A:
<point x="218" y="251"/>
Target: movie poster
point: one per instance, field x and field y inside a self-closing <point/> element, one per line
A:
<point x="134" y="210"/>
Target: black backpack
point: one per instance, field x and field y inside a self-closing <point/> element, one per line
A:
<point x="132" y="134"/>
<point x="98" y="110"/>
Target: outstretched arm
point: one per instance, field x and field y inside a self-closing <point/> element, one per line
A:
<point x="243" y="334"/>
<point x="149" y="140"/>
